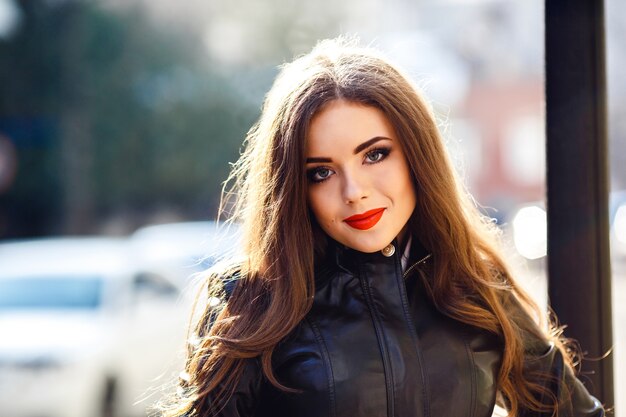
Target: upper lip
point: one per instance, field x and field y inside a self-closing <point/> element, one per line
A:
<point x="364" y="215"/>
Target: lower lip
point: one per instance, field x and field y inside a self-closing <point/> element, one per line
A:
<point x="367" y="222"/>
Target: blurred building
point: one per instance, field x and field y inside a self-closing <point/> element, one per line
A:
<point x="509" y="120"/>
<point x="479" y="61"/>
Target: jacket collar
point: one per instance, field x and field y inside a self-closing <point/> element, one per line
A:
<point x="339" y="257"/>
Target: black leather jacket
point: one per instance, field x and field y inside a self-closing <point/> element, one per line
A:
<point x="373" y="345"/>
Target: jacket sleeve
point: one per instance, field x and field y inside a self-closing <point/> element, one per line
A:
<point x="545" y="365"/>
<point x="242" y="403"/>
<point x="551" y="370"/>
<point x="245" y="398"/>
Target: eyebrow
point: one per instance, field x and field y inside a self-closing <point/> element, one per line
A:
<point x="357" y="150"/>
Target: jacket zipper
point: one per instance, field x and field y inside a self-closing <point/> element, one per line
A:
<point x="413" y="332"/>
<point x="383" y="348"/>
<point x="387" y="369"/>
<point x="421" y="261"/>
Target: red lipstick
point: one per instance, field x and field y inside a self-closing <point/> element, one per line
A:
<point x="365" y="220"/>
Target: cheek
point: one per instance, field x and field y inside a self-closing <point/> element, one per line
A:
<point x="320" y="205"/>
<point x="406" y="190"/>
<point x="398" y="184"/>
<point x="406" y="186"/>
<point x="393" y="177"/>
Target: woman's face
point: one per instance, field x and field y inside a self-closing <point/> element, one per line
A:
<point x="359" y="184"/>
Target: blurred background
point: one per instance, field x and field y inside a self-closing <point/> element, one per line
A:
<point x="118" y="121"/>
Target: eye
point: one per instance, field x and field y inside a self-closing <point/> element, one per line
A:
<point x="319" y="174"/>
<point x="376" y="155"/>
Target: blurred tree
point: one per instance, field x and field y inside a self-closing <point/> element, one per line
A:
<point x="111" y="115"/>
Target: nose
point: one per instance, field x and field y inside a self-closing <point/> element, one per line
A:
<point x="354" y="188"/>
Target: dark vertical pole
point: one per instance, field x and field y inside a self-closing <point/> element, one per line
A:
<point x="577" y="182"/>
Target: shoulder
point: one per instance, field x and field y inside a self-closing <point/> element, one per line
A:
<point x="222" y="279"/>
<point x="234" y="286"/>
<point x="215" y="289"/>
<point x="527" y="321"/>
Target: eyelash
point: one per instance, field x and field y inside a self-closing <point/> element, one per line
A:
<point x="383" y="151"/>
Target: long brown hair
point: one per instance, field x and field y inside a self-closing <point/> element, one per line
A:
<point x="468" y="279"/>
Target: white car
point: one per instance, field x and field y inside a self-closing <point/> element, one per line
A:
<point x="83" y="332"/>
<point x="185" y="248"/>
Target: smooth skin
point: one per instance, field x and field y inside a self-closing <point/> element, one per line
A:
<point x="355" y="164"/>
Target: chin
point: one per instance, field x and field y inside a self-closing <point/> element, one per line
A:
<point x="366" y="250"/>
<point x="367" y="247"/>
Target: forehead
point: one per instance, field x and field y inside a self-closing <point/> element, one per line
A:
<point x="347" y="123"/>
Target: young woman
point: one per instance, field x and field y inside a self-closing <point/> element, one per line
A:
<point x="371" y="286"/>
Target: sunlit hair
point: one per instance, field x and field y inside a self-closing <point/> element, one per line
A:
<point x="467" y="279"/>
